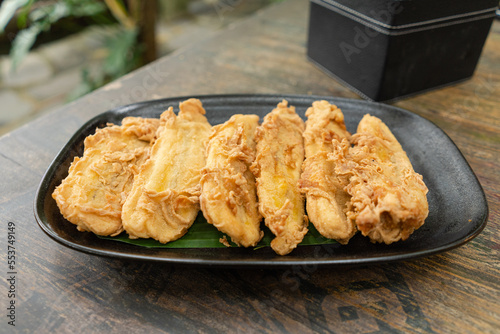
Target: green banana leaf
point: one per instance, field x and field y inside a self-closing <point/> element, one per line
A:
<point x="204" y="235"/>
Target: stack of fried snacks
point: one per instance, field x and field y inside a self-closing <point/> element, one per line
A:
<point x="164" y="200"/>
<point x="228" y="194"/>
<point x="150" y="177"/>
<point x="277" y="167"/>
<point x="326" y="198"/>
<point x="93" y="193"/>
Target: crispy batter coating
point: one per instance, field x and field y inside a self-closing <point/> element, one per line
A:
<point x="228" y="193"/>
<point x="93" y="193"/>
<point x="388" y="197"/>
<point x="164" y="200"/>
<point x="326" y="198"/>
<point x="280" y="153"/>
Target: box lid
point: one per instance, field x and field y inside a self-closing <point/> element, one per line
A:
<point x="394" y="15"/>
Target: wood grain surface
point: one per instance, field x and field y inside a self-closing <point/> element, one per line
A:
<point x="59" y="290"/>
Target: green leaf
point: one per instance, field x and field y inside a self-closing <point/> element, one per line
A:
<point x="42" y="19"/>
<point x="22" y="18"/>
<point x="22" y="44"/>
<point x="47" y="15"/>
<point x="121" y="58"/>
<point x="8" y="9"/>
<point x="204" y="235"/>
<point x="86" y="8"/>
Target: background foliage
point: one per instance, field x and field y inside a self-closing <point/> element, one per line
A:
<point x="125" y="49"/>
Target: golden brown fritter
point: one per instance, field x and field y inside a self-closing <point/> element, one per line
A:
<point x="326" y="198"/>
<point x="164" y="200"/>
<point x="388" y="197"/>
<point x="228" y="195"/>
<point x="280" y="153"/>
<point x="93" y="193"/>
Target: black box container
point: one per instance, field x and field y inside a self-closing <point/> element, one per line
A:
<point x="387" y="49"/>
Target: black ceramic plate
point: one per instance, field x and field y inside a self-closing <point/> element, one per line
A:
<point x="457" y="204"/>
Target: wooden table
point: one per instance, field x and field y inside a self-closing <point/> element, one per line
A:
<point x="62" y="290"/>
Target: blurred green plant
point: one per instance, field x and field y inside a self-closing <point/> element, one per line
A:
<point x="32" y="20"/>
<point x="123" y="56"/>
<point x="125" y="50"/>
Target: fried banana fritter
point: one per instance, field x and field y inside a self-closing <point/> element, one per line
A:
<point x="388" y="198"/>
<point x="277" y="167"/>
<point x="93" y="193"/>
<point x="228" y="194"/>
<point x="164" y="200"/>
<point x="326" y="198"/>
